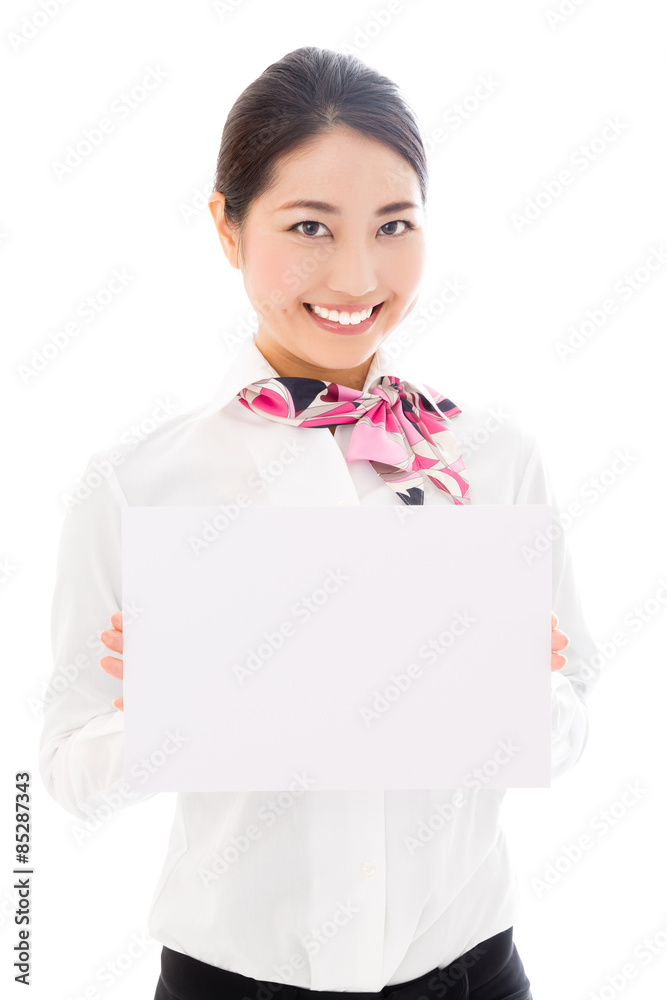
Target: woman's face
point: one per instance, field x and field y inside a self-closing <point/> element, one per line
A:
<point x="362" y="246"/>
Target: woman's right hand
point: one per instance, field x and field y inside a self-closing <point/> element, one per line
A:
<point x="113" y="638"/>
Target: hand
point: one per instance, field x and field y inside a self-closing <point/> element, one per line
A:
<point x="558" y="641"/>
<point x="113" y="638"/>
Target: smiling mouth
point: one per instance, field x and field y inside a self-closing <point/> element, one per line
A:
<point x="349" y="313"/>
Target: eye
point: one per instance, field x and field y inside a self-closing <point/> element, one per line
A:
<point x="398" y="222"/>
<point x="310" y="223"/>
<point x="313" y="235"/>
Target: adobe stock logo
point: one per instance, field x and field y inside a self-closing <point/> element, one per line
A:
<point x="554" y="188"/>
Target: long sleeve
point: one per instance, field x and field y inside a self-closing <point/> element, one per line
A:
<point x="81" y="744"/>
<point x="571" y="686"/>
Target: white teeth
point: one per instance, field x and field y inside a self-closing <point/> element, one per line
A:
<point x="344" y="318"/>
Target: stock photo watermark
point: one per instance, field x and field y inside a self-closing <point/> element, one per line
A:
<point x="212" y="528"/>
<point x="88" y="309"/>
<point x="126" y="792"/>
<point x="302" y="610"/>
<point x="7" y="569"/>
<point x="104" y="468"/>
<point x="471" y="781"/>
<point x="313" y="940"/>
<point x="555" y="187"/>
<point x="198" y="203"/>
<point x="33" y="24"/>
<point x="643" y="955"/>
<point x="596" y="317"/>
<point x="224" y="7"/>
<point x="495" y="419"/>
<point x="66" y="674"/>
<point x="112" y="970"/>
<point x="403" y="681"/>
<point x="599" y="826"/>
<point x="459" y="113"/>
<point x="562" y="12"/>
<point x="635" y="619"/>
<point x="592" y="490"/>
<point x="370" y="30"/>
<point x="94" y="136"/>
<point x="268" y="814"/>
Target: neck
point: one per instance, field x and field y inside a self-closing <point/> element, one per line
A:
<point x="290" y="365"/>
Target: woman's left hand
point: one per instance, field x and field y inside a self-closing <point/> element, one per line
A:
<point x="558" y="641"/>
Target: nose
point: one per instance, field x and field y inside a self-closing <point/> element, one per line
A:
<point x="351" y="270"/>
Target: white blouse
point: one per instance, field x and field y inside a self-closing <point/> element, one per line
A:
<point x="330" y="890"/>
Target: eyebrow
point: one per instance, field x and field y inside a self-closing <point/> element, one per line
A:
<point x="324" y="206"/>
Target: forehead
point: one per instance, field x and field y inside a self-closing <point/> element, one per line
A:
<point x="345" y="167"/>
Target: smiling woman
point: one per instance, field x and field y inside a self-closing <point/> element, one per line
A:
<point x="349" y="269"/>
<point x="320" y="201"/>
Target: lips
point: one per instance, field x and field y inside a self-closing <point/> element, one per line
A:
<point x="335" y="327"/>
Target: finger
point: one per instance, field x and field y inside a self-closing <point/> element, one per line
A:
<point x="117" y="620"/>
<point x="112" y="638"/>
<point x="112" y="665"/>
<point x="558" y="661"/>
<point x="554" y="620"/>
<point x="118" y="703"/>
<point x="558" y="639"/>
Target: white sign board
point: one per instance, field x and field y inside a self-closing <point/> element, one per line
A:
<point x="365" y="647"/>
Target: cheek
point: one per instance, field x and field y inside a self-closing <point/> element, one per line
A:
<point x="402" y="272"/>
<point x="266" y="273"/>
<point x="278" y="273"/>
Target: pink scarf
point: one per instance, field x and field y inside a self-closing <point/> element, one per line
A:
<point x="399" y="429"/>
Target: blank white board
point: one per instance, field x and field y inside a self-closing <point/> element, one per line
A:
<point x="358" y="647"/>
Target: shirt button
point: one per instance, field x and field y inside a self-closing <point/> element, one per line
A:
<point x="368" y="868"/>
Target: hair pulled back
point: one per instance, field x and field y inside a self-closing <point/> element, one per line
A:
<point x="310" y="91"/>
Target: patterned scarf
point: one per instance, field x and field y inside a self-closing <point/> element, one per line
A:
<point x="399" y="429"/>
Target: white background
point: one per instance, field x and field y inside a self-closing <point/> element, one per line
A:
<point x="168" y="334"/>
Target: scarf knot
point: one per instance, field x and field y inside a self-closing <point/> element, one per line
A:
<point x="400" y="429"/>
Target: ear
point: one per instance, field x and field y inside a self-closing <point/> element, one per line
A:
<point x="226" y="234"/>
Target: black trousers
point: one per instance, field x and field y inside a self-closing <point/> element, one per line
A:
<point x="492" y="970"/>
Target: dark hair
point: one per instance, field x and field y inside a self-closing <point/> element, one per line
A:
<point x="308" y="92"/>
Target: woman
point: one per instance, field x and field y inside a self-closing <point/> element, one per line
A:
<point x="319" y="200"/>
